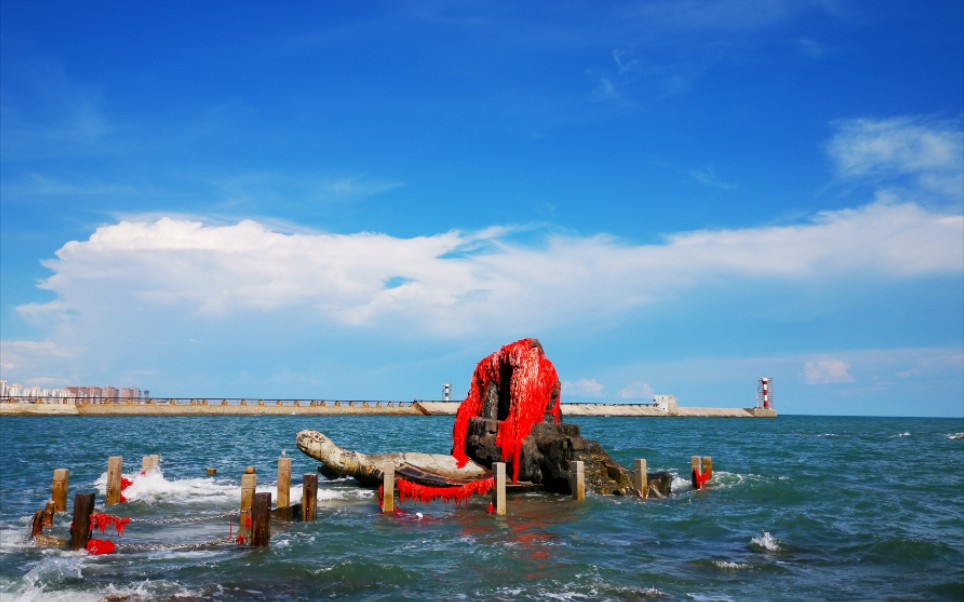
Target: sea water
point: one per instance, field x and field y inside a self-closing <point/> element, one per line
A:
<point x="799" y="508"/>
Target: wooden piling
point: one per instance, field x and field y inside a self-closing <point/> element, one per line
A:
<point x="80" y="527"/>
<point x="388" y="487"/>
<point x="641" y="480"/>
<point x="150" y="464"/>
<point x="309" y="496"/>
<point x="261" y="519"/>
<point x="38" y="524"/>
<point x="49" y="512"/>
<point x="249" y="482"/>
<point x="61" y="484"/>
<point x="707" y="465"/>
<point x="577" y="480"/>
<point x="499" y="491"/>
<point x="115" y="468"/>
<point x="284" y="482"/>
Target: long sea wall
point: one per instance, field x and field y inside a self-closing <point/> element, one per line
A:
<point x="347" y="408"/>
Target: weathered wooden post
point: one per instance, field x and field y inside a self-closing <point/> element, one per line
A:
<point x="388" y="487"/>
<point x="115" y="467"/>
<point x="80" y="528"/>
<point x="38" y="524"/>
<point x="577" y="480"/>
<point x="61" y="483"/>
<point x="707" y="465"/>
<point x="261" y="519"/>
<point x="150" y="464"/>
<point x="284" y="484"/>
<point x="249" y="482"/>
<point x="499" y="492"/>
<point x="49" y="512"/>
<point x="309" y="496"/>
<point x="641" y="480"/>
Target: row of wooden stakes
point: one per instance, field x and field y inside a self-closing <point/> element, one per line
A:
<point x="255" y="510"/>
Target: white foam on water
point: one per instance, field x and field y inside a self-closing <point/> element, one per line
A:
<point x="902" y="435"/>
<point x="766" y="541"/>
<point x="708" y="598"/>
<point x="827" y="435"/>
<point x="38" y="582"/>
<point x="729" y="565"/>
<point x="954" y="436"/>
<point x="154" y="488"/>
<point x="680" y="484"/>
<point x="152" y="590"/>
<point x="13" y="539"/>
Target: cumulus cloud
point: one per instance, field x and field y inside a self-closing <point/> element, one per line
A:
<point x="584" y="387"/>
<point x="457" y="283"/>
<point x="825" y="371"/>
<point x="637" y="390"/>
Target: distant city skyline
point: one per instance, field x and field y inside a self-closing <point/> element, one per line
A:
<point x="72" y="391"/>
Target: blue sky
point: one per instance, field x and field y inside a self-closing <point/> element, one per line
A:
<point x="362" y="200"/>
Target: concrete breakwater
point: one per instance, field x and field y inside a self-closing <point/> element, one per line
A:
<point x="204" y="407"/>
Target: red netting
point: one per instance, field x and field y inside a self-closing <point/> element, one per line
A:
<point x="425" y="494"/>
<point x="102" y="521"/>
<point x="533" y="381"/>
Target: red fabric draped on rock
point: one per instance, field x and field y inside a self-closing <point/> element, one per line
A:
<point x="425" y="494"/>
<point x="533" y="382"/>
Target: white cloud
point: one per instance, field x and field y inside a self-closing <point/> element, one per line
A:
<point x="455" y="283"/>
<point x="825" y="371"/>
<point x="584" y="387"/>
<point x="637" y="390"/>
<point x="931" y="152"/>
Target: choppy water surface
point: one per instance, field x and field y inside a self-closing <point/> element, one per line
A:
<point x="800" y="508"/>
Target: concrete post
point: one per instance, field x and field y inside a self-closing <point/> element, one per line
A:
<point x="61" y="484"/>
<point x="388" y="487"/>
<point x="249" y="482"/>
<point x="150" y="464"/>
<point x="115" y="467"/>
<point x="641" y="480"/>
<point x="499" y="491"/>
<point x="284" y="482"/>
<point x="577" y="480"/>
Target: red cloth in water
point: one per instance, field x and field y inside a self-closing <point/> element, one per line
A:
<point x="425" y="494"/>
<point x="97" y="547"/>
<point x="700" y="480"/>
<point x="533" y="382"/>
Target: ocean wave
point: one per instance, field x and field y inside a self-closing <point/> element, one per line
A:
<point x="154" y="488"/>
<point x="766" y="542"/>
<point x="955" y="436"/>
<point x="729" y="565"/>
<point x="902" y="435"/>
<point x="44" y="581"/>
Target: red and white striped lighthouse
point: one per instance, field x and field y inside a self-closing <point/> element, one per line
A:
<point x="765" y="392"/>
